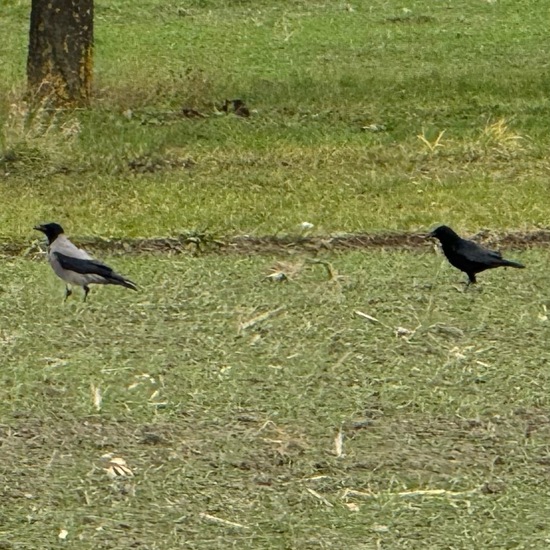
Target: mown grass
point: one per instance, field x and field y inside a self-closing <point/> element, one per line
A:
<point x="226" y="414"/>
<point x="339" y="94"/>
<point x="366" y="116"/>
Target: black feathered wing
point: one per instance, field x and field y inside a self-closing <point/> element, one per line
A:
<point x="476" y="254"/>
<point x="93" y="267"/>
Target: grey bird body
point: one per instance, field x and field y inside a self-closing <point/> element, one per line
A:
<point x="75" y="266"/>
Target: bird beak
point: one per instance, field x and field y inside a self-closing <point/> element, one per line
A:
<point x="430" y="235"/>
<point x="39" y="228"/>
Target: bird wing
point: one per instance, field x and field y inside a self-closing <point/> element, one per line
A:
<point x="83" y="266"/>
<point x="476" y="253"/>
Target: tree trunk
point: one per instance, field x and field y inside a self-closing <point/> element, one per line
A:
<point x="59" y="64"/>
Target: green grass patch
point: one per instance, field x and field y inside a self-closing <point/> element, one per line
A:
<point x="226" y="394"/>
<point x="339" y="95"/>
<point x="382" y="408"/>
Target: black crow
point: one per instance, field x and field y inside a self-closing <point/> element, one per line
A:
<point x="75" y="266"/>
<point x="469" y="256"/>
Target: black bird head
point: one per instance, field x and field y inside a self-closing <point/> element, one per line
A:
<point x="444" y="234"/>
<point x="51" y="230"/>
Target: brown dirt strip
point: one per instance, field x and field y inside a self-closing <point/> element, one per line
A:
<point x="270" y="245"/>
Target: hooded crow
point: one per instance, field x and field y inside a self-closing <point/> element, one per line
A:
<point x="75" y="266"/>
<point x="469" y="256"/>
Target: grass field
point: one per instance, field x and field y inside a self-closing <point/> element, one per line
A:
<point x="226" y="395"/>
<point x="348" y="101"/>
<point x="380" y="408"/>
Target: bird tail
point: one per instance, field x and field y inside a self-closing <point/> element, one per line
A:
<point x="132" y="286"/>
<point x="116" y="279"/>
<point x="508" y="263"/>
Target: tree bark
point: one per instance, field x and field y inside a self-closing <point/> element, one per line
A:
<point x="59" y="64"/>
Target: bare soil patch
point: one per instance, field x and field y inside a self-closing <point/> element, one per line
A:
<point x="285" y="244"/>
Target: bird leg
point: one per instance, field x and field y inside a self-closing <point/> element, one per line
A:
<point x="86" y="290"/>
<point x="68" y="292"/>
<point x="471" y="281"/>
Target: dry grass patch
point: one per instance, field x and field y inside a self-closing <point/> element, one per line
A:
<point x="214" y="408"/>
